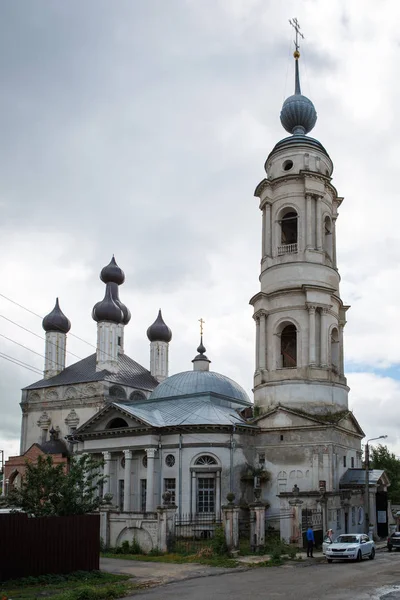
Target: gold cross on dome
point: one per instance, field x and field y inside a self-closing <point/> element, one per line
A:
<point x="296" y="26"/>
<point x="201" y="321"/>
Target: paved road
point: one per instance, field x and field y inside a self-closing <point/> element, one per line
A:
<point x="370" y="580"/>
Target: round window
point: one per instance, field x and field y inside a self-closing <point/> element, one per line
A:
<point x="123" y="462"/>
<point x="144" y="461"/>
<point x="287" y="165"/>
<point x="170" y="460"/>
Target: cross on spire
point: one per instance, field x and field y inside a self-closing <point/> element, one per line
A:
<point x="296" y="26"/>
<point x="201" y="321"/>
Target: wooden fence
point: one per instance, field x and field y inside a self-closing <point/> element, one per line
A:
<point x="32" y="546"/>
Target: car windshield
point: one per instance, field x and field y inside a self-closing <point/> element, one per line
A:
<point x="396" y="535"/>
<point x="347" y="539"/>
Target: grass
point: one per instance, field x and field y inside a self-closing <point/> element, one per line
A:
<point x="93" y="585"/>
<point x="212" y="561"/>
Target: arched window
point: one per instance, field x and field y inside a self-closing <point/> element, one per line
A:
<point x="289" y="346"/>
<point x="137" y="396"/>
<point x="328" y="236"/>
<point x="288" y="232"/>
<point x="335" y="349"/>
<point x="117" y="391"/>
<point x="117" y="423"/>
<point x="205" y="460"/>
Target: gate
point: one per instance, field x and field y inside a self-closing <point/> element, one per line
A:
<point x="194" y="532"/>
<point x="312" y="516"/>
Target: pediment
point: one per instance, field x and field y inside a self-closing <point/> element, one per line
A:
<point x="350" y="423"/>
<point x="281" y="417"/>
<point x="111" y="419"/>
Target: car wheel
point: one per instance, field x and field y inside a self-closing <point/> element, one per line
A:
<point x="359" y="556"/>
<point x="389" y="548"/>
<point x="372" y="555"/>
<point x="329" y="560"/>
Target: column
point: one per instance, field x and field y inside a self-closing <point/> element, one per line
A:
<point x="264" y="234"/>
<point x="262" y="351"/>
<point x="218" y="495"/>
<point x="311" y="335"/>
<point x="127" y="480"/>
<point x="193" y="490"/>
<point x="151" y="453"/>
<point x="319" y="223"/>
<point x="334" y="242"/>
<point x="341" y="350"/>
<point x="268" y="231"/>
<point x="324" y="337"/>
<point x="106" y="471"/>
<point x="257" y="320"/>
<point x="309" y="217"/>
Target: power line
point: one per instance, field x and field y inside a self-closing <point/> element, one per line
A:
<point x="30" y="349"/>
<point x="18" y="362"/>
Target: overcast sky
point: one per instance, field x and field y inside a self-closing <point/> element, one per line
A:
<point x="141" y="127"/>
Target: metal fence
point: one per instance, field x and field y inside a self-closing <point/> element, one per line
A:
<point x="37" y="546"/>
<point x="313" y="517"/>
<point x="194" y="532"/>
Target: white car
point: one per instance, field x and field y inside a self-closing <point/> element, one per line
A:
<point x="350" y="546"/>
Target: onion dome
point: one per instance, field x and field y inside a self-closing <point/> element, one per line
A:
<point x="107" y="309"/>
<point x="54" y="445"/>
<point x="201" y="358"/>
<point x="159" y="331"/>
<point x="56" y="320"/>
<point x="112" y="273"/>
<point x="298" y="114"/>
<point x="125" y="310"/>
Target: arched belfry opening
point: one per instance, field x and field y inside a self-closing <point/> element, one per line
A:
<point x="289" y="346"/>
<point x="335" y="356"/>
<point x="289" y="232"/>
<point x="328" y="236"/>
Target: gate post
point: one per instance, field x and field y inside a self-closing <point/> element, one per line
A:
<point x="257" y="526"/>
<point x="230" y="519"/>
<point x="166" y="524"/>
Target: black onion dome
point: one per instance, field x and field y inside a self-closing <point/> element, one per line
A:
<point x="201" y="349"/>
<point x="112" y="273"/>
<point x="107" y="309"/>
<point x="54" y="445"/>
<point x="159" y="331"/>
<point x="125" y="310"/>
<point x="56" y="320"/>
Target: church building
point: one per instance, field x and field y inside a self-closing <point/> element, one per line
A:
<point x="197" y="434"/>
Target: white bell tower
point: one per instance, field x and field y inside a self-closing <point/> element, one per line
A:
<point x="298" y="312"/>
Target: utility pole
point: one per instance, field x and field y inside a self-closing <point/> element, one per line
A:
<point x="367" y="507"/>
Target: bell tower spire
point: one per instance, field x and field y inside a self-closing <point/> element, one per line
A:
<point x="298" y="311"/>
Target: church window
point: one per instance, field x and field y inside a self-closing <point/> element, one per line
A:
<point x="289" y="346"/>
<point x="137" y="396"/>
<point x="328" y="236"/>
<point x="205" y="494"/>
<point x="143" y="494"/>
<point x="289" y="229"/>
<point x="287" y="165"/>
<point x="144" y="461"/>
<point x="121" y="484"/>
<point x="170" y="460"/>
<point x="44" y="435"/>
<point x="117" y="391"/>
<point x="344" y="461"/>
<point x="170" y="486"/>
<point x="352" y="462"/>
<point x="335" y="350"/>
<point x="117" y="423"/>
<point x="281" y="438"/>
<point x="206" y="460"/>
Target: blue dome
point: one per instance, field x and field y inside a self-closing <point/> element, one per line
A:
<point x="197" y="382"/>
<point x="298" y="114"/>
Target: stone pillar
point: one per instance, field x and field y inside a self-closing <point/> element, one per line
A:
<point x="105" y="526"/>
<point x="151" y="453"/>
<point x="166" y="526"/>
<point x="309" y="217"/>
<point x="263" y="348"/>
<point x="267" y="248"/>
<point x="230" y="519"/>
<point x="324" y="337"/>
<point x="257" y="526"/>
<point x="257" y="320"/>
<point x="334" y="260"/>
<point x="193" y="492"/>
<point x="107" y="459"/>
<point x="264" y="234"/>
<point x="319" y="224"/>
<point x="127" y="480"/>
<point x="341" y="350"/>
<point x="311" y="335"/>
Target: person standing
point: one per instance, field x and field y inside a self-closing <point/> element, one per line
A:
<point x="310" y="542"/>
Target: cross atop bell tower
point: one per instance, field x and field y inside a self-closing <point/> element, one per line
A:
<point x="298" y="311"/>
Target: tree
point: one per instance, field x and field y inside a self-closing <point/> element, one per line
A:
<point x="51" y="490"/>
<point x="381" y="458"/>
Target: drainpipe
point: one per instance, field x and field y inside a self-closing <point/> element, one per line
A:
<point x="180" y="476"/>
<point x="160" y="474"/>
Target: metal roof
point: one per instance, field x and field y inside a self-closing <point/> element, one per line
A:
<point x="129" y="373"/>
<point x="204" y="409"/>
<point x="198" y="382"/>
<point x="357" y="477"/>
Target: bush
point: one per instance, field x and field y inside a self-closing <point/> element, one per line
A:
<point x="135" y="547"/>
<point x="155" y="552"/>
<point x="218" y="542"/>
